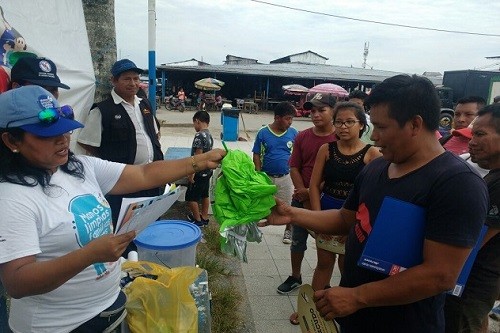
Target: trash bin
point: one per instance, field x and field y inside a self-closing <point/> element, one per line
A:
<point x="230" y="119"/>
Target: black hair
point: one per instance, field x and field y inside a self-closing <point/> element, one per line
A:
<point x="359" y="113"/>
<point x="358" y="94"/>
<point x="407" y="97"/>
<point x="284" y="109"/>
<point x="15" y="169"/>
<point x="473" y="99"/>
<point x="202" y="116"/>
<point x="494" y="110"/>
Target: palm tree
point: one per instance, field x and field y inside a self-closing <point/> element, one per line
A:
<point x="100" y="21"/>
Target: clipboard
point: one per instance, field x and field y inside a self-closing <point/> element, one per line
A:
<point x="310" y="320"/>
<point x="140" y="214"/>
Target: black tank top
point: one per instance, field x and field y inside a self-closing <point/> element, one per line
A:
<point x="341" y="170"/>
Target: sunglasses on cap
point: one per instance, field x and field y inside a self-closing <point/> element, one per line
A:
<point x="49" y="116"/>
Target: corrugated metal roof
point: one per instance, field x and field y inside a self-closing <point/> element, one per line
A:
<point x="295" y="70"/>
<point x="288" y="57"/>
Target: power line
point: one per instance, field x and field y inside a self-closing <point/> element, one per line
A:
<point x="376" y="22"/>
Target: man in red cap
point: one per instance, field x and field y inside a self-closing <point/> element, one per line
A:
<point x="469" y="313"/>
<point x="465" y="112"/>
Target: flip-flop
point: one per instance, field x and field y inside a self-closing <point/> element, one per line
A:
<point x="294" y="318"/>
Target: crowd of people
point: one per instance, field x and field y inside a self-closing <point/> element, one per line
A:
<point x="416" y="168"/>
<point x="59" y="258"/>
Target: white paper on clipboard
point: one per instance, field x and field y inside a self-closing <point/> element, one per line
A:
<point x="140" y="213"/>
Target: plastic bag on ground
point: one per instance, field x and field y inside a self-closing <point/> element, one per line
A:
<point x="160" y="302"/>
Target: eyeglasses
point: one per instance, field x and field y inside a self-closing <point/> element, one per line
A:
<point x="348" y="123"/>
<point x="50" y="115"/>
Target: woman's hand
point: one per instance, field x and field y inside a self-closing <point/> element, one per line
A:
<point x="213" y="157"/>
<point x="109" y="247"/>
<point x="301" y="194"/>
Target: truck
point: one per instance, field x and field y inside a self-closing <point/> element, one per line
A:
<point x="464" y="83"/>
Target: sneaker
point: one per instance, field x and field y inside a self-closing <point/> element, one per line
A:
<point x="289" y="285"/>
<point x="191" y="219"/>
<point x="287" y="237"/>
<point x="495" y="313"/>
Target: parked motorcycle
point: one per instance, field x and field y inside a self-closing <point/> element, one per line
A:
<point x="173" y="103"/>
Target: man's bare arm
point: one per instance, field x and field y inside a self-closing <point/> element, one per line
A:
<point x="438" y="273"/>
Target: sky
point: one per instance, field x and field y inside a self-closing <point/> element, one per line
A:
<point x="208" y="30"/>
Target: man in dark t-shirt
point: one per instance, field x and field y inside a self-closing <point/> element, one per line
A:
<point x="416" y="169"/>
<point x="469" y="313"/>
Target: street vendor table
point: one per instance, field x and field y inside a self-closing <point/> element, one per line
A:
<point x="250" y="107"/>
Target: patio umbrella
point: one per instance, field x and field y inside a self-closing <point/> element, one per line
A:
<point x="209" y="84"/>
<point x="295" y="89"/>
<point x="329" y="88"/>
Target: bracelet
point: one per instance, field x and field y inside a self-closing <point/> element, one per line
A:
<point x="194" y="165"/>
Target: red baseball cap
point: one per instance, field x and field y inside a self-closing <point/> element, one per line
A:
<point x="465" y="132"/>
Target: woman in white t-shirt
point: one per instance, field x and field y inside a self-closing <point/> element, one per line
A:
<point x="58" y="254"/>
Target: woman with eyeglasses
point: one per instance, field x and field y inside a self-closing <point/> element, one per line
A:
<point x="58" y="254"/>
<point x="337" y="165"/>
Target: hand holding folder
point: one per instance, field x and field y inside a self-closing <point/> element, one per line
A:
<point x="397" y="238"/>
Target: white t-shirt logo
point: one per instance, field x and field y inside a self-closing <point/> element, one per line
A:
<point x="92" y="220"/>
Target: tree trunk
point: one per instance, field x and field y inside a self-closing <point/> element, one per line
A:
<point x="100" y="21"/>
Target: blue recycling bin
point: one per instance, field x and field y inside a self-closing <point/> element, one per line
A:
<point x="230" y="119"/>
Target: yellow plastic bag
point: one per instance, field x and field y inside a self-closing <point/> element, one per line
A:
<point x="163" y="305"/>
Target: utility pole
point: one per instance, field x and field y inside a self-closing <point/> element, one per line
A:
<point x="365" y="54"/>
<point x="152" y="52"/>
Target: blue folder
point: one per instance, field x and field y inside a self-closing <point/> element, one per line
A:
<point x="397" y="238"/>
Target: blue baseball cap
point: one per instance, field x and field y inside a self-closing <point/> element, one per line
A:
<point x="22" y="107"/>
<point x="124" y="65"/>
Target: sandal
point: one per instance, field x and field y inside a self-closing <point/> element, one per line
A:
<point x="294" y="318"/>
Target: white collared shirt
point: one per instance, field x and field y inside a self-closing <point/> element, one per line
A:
<point x="89" y="135"/>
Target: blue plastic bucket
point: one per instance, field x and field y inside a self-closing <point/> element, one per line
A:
<point x="170" y="243"/>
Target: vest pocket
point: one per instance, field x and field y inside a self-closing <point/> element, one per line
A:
<point x="119" y="131"/>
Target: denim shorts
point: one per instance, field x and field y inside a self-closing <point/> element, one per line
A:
<point x="299" y="234"/>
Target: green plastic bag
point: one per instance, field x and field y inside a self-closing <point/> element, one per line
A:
<point x="243" y="196"/>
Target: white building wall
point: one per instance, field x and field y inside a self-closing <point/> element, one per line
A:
<point x="309" y="58"/>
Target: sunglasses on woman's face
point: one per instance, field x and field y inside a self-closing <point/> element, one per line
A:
<point x="50" y="115"/>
